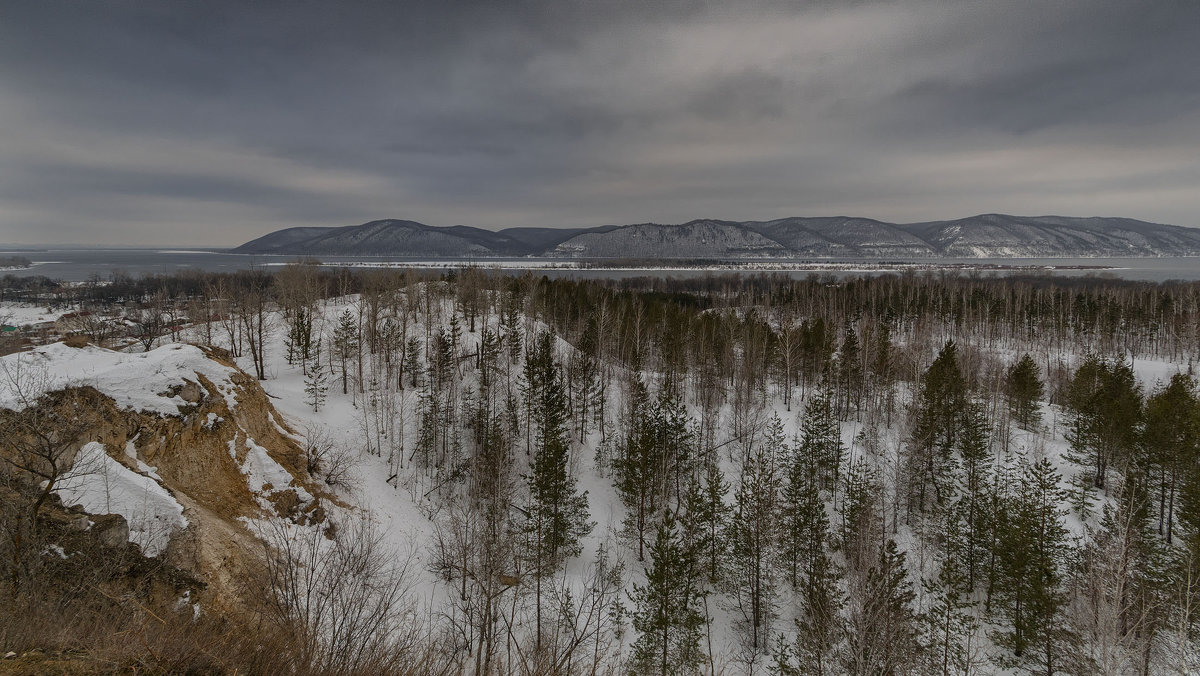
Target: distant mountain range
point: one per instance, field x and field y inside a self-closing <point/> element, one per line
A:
<point x="984" y="236"/>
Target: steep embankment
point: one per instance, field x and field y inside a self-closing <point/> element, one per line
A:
<point x="185" y="446"/>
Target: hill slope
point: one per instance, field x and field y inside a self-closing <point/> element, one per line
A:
<point x="696" y="239"/>
<point x="999" y="235"/>
<point x="983" y="236"/>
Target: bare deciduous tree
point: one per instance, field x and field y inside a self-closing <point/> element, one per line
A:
<point x="343" y="600"/>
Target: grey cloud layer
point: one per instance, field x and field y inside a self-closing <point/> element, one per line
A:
<point x="208" y="123"/>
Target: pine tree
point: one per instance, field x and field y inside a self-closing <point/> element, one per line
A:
<point x="862" y="519"/>
<point x="1104" y="401"/>
<point x="974" y="491"/>
<point x="1080" y="492"/>
<point x="345" y="343"/>
<point x="1032" y="554"/>
<point x="937" y="412"/>
<point x="850" y="373"/>
<point x="299" y="341"/>
<point x="673" y="440"/>
<point x="801" y="499"/>
<point x="820" y="599"/>
<point x="705" y="519"/>
<point x="1172" y="440"/>
<point x="821" y="439"/>
<point x="819" y="628"/>
<point x="316" y="382"/>
<point x="412" y="361"/>
<point x="1024" y="391"/>
<point x="881" y="630"/>
<point x="883" y="368"/>
<point x="1189" y="512"/>
<point x="636" y="466"/>
<point x="557" y="512"/>
<point x="753" y="539"/>
<point x="949" y="626"/>
<point x="666" y="613"/>
<point x="1122" y="585"/>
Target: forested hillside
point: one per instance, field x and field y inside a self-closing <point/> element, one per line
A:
<point x="746" y="474"/>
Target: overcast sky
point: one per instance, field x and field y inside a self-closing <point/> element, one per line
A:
<point x="208" y="123"/>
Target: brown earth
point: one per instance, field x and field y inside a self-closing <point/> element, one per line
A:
<point x="192" y="457"/>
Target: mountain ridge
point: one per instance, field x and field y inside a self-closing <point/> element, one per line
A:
<point x="980" y="236"/>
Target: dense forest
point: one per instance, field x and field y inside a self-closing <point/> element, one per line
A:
<point x="893" y="474"/>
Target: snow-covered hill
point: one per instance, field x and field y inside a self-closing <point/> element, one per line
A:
<point x="984" y="236"/>
<point x="696" y="239"/>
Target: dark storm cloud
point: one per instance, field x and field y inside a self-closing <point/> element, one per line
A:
<point x="211" y="122"/>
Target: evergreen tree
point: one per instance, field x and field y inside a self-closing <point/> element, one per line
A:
<point x="820" y="600"/>
<point x="672" y="440"/>
<point x="819" y="628"/>
<point x="666" y="613"/>
<point x="1033" y="548"/>
<point x="345" y="343"/>
<point x="881" y="630"/>
<point x="1122" y="585"/>
<point x="949" y="626"/>
<point x="850" y="373"/>
<point x="316" y="382"/>
<point x="801" y="500"/>
<point x="705" y="518"/>
<point x="1172" y="440"/>
<point x="753" y="540"/>
<point x="412" y="361"/>
<point x="636" y="466"/>
<point x="1189" y="512"/>
<point x="557" y="512"/>
<point x="975" y="492"/>
<point x="299" y="341"/>
<point x="821" y="440"/>
<point x="1104" y="401"/>
<point x="859" y="497"/>
<point x="883" y="368"/>
<point x="937" y="412"/>
<point x="1025" y="391"/>
<point x="805" y="541"/>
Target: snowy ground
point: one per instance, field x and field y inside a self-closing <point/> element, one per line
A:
<point x="20" y="314"/>
<point x="102" y="485"/>
<point x="138" y="381"/>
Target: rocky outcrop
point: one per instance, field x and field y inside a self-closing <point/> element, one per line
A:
<point x="210" y="455"/>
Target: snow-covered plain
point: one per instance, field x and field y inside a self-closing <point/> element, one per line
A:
<point x="20" y="314"/>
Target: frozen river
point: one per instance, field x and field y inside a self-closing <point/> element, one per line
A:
<point x="84" y="264"/>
